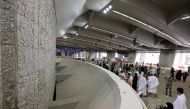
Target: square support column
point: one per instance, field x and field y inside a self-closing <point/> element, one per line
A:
<point x="131" y="56"/>
<point x="167" y="58"/>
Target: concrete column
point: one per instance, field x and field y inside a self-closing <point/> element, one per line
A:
<point x="110" y="56"/>
<point x="92" y="55"/>
<point x="99" y="55"/>
<point x="131" y="57"/>
<point x="167" y="58"/>
<point x="120" y="56"/>
<point x="27" y="34"/>
<point x="88" y="55"/>
<point x="62" y="53"/>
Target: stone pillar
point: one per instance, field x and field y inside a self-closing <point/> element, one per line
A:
<point x="88" y="53"/>
<point x="62" y="53"/>
<point x="110" y="56"/>
<point x="120" y="56"/>
<point x="92" y="55"/>
<point x="167" y="58"/>
<point x="27" y="35"/>
<point x="131" y="57"/>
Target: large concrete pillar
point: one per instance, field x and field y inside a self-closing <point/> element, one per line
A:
<point x="110" y="56"/>
<point x="167" y="58"/>
<point x="92" y="55"/>
<point x="131" y="57"/>
<point x="88" y="55"/>
<point x="62" y="53"/>
<point x="27" y="34"/>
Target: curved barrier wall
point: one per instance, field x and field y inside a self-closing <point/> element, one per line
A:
<point x="94" y="87"/>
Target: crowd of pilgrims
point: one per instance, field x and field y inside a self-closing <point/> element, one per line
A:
<point x="144" y="79"/>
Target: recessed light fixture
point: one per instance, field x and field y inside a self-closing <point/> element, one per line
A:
<point x="86" y="26"/>
<point x="185" y="17"/>
<point x="110" y="6"/>
<point x="76" y="34"/>
<point x="62" y="33"/>
<point x="107" y="9"/>
<point x="65" y="37"/>
<point x="158" y="31"/>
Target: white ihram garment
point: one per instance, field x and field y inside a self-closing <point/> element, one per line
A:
<point x="142" y="84"/>
<point x="180" y="102"/>
<point x="152" y="84"/>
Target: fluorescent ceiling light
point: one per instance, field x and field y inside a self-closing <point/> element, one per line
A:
<point x="185" y="17"/>
<point x="117" y="12"/>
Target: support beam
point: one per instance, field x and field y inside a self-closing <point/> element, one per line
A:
<point x="86" y="44"/>
<point x="178" y="13"/>
<point x="91" y="17"/>
<point x="133" y="29"/>
<point x="97" y="42"/>
<point x="113" y="41"/>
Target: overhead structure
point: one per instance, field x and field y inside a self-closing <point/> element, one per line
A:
<point x="122" y="25"/>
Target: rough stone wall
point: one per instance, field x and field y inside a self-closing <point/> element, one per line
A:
<point x="27" y="30"/>
<point x="8" y="55"/>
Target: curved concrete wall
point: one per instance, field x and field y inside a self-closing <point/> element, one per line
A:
<point x="95" y="87"/>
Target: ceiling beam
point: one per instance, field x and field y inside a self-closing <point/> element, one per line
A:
<point x="132" y="29"/>
<point x="79" y="46"/>
<point x="98" y="42"/>
<point x="112" y="41"/>
<point x="178" y="13"/>
<point x="84" y="45"/>
<point x="89" y="43"/>
<point x="91" y="16"/>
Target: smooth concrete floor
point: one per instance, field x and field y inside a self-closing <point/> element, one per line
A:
<point x="152" y="102"/>
<point x="82" y="86"/>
